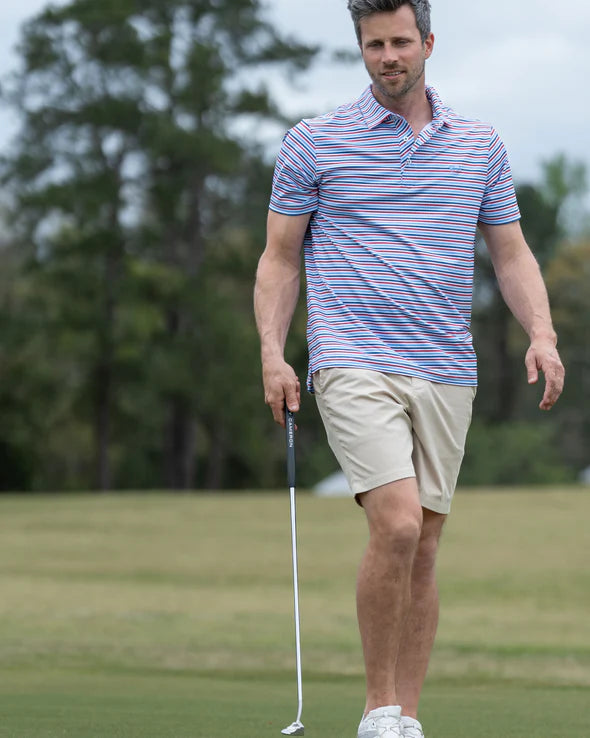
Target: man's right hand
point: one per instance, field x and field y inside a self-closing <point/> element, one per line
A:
<point x="280" y="385"/>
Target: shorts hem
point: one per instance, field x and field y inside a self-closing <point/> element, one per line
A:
<point x="367" y="485"/>
<point x="437" y="506"/>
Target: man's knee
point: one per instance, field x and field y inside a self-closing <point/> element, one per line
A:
<point x="401" y="534"/>
<point x="395" y="517"/>
<point x="427" y="549"/>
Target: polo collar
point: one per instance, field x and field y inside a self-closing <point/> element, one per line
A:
<point x="374" y="113"/>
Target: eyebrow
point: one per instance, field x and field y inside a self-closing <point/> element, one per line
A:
<point x="379" y="39"/>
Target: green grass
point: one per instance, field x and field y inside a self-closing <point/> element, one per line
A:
<point x="171" y="616"/>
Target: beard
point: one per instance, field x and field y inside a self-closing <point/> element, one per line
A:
<point x="412" y="77"/>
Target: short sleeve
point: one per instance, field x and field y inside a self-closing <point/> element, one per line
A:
<point x="295" y="186"/>
<point x="499" y="205"/>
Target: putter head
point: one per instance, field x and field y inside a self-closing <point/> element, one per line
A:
<point x="295" y="728"/>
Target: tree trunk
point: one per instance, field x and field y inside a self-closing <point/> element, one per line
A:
<point x="106" y="358"/>
<point x="103" y="426"/>
<point x="217" y="461"/>
<point x="505" y="385"/>
<point x="179" y="456"/>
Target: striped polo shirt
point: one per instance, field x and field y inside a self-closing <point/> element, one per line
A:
<point x="390" y="244"/>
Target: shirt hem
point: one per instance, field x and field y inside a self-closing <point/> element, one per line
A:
<point x="403" y="371"/>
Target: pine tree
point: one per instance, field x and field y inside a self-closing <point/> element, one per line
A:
<point x="124" y="175"/>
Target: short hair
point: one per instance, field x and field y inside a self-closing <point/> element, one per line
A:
<point x="360" y="9"/>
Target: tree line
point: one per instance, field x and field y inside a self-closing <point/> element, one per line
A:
<point x="134" y="214"/>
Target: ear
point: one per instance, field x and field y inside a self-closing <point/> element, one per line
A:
<point x="429" y="45"/>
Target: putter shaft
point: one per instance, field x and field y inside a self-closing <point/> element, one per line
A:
<point x="296" y="605"/>
<point x="296" y="728"/>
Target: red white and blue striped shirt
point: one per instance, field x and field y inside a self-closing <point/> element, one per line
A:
<point x="390" y="244"/>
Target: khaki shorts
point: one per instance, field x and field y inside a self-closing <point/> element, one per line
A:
<point x="385" y="427"/>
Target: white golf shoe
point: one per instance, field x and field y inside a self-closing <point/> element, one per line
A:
<point x="384" y="722"/>
<point x="411" y="728"/>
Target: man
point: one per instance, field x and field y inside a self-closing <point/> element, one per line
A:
<point x="386" y="195"/>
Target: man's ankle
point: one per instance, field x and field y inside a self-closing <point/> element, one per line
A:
<point x="372" y="706"/>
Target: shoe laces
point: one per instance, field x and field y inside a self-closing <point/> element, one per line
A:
<point x="411" y="731"/>
<point x="387" y="727"/>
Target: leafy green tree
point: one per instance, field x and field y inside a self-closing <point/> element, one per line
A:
<point x="15" y="440"/>
<point x="568" y="277"/>
<point x="565" y="186"/>
<point x="513" y="454"/>
<point x="124" y="176"/>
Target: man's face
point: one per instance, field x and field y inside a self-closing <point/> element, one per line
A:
<point x="393" y="53"/>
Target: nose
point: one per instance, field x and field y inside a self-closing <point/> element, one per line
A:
<point x="390" y="54"/>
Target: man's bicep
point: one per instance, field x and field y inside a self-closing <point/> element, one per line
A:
<point x="285" y="234"/>
<point x="504" y="241"/>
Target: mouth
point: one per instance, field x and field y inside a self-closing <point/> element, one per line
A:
<point x="392" y="75"/>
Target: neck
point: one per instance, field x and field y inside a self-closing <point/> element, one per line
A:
<point x="414" y="106"/>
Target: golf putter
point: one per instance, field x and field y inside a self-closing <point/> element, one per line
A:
<point x="295" y="728"/>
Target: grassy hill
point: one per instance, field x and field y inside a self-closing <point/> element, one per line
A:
<point x="161" y="615"/>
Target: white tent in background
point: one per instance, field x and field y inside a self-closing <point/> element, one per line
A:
<point x="333" y="486"/>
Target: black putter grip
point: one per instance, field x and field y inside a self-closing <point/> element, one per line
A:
<point x="290" y="425"/>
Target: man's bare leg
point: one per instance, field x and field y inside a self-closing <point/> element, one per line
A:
<point x="394" y="515"/>
<point x="422" y="619"/>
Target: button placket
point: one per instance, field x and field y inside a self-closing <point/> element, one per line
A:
<point x="406" y="153"/>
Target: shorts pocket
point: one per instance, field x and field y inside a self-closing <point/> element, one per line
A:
<point x="316" y="379"/>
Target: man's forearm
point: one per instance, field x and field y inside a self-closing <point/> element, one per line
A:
<point x="520" y="279"/>
<point x="275" y="299"/>
<point x="523" y="290"/>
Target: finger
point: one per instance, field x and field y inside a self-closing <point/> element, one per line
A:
<point x="291" y="399"/>
<point x="278" y="412"/>
<point x="553" y="388"/>
<point x="550" y="395"/>
<point x="276" y="404"/>
<point x="547" y="402"/>
<point x="293" y="396"/>
<point x="531" y="367"/>
<point x="549" y="399"/>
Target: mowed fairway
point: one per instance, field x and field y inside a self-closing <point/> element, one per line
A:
<point x="171" y="616"/>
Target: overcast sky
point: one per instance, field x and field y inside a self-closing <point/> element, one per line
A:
<point x="523" y="66"/>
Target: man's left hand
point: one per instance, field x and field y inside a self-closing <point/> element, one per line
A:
<point x="543" y="356"/>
